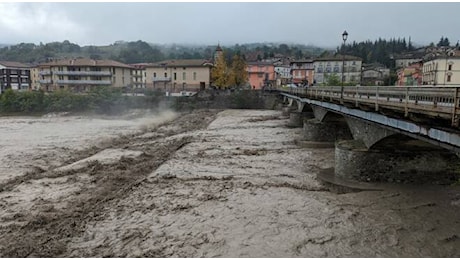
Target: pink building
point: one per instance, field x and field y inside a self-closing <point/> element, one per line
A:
<point x="411" y="75"/>
<point x="261" y="74"/>
<point x="302" y="72"/>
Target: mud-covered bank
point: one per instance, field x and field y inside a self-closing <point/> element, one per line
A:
<point x="209" y="184"/>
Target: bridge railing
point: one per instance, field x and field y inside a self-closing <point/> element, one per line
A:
<point x="431" y="100"/>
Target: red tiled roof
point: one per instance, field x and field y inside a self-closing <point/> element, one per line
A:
<point x="14" y="64"/>
<point x="85" y="62"/>
<point x="181" y="63"/>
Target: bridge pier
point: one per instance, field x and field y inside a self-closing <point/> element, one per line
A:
<point x="286" y="110"/>
<point x="326" y="131"/>
<point x="353" y="160"/>
<point x="296" y="119"/>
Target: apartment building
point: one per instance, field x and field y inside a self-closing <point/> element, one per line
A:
<point x="374" y="74"/>
<point x="261" y="74"/>
<point x="82" y="74"/>
<point x="282" y="74"/>
<point x="442" y="69"/>
<point x="302" y="72"/>
<point x="335" y="65"/>
<point x="179" y="75"/>
<point x="14" y="75"/>
<point x="138" y="76"/>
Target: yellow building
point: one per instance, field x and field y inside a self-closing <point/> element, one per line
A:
<point x="179" y="75"/>
<point x="442" y="69"/>
<point x="83" y="74"/>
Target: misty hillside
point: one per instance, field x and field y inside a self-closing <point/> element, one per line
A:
<point x="140" y="51"/>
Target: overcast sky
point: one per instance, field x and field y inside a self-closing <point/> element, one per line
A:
<point x="320" y="24"/>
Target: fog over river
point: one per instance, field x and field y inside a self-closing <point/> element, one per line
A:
<point x="209" y="183"/>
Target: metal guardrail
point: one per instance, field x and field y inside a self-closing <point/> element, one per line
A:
<point x="430" y="100"/>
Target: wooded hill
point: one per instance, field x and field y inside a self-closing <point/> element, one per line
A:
<point x="140" y="51"/>
<point x="381" y="51"/>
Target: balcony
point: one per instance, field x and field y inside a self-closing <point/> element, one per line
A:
<point x="45" y="81"/>
<point x="84" y="73"/>
<point x="44" y="73"/>
<point x="161" y="79"/>
<point x="84" y="82"/>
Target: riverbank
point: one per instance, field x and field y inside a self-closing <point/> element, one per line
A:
<point x="214" y="183"/>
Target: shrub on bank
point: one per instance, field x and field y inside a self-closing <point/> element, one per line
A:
<point x="101" y="99"/>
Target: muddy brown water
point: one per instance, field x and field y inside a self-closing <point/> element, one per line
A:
<point x="210" y="183"/>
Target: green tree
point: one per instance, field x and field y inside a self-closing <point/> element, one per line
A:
<point x="333" y="80"/>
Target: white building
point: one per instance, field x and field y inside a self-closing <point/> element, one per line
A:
<point x="442" y="69"/>
<point x="326" y="66"/>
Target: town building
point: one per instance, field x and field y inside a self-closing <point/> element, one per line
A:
<point x="442" y="68"/>
<point x="179" y="75"/>
<point x="282" y="74"/>
<point x="374" y="74"/>
<point x="138" y="76"/>
<point x="82" y="74"/>
<point x="349" y="66"/>
<point x="302" y="72"/>
<point x="406" y="59"/>
<point x="261" y="74"/>
<point x="14" y="75"/>
<point x="410" y="75"/>
<point x="34" y="78"/>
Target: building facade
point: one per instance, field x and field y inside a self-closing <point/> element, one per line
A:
<point x="179" y="75"/>
<point x="442" y="69"/>
<point x="14" y="75"/>
<point x="325" y="67"/>
<point x="410" y="76"/>
<point x="302" y="72"/>
<point x="81" y="75"/>
<point x="261" y="74"/>
<point x="374" y="74"/>
<point x="138" y="76"/>
<point x="282" y="74"/>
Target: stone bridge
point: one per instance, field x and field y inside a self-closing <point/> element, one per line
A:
<point x="377" y="143"/>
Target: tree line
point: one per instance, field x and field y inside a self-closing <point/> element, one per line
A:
<point x="140" y="51"/>
<point x="100" y="99"/>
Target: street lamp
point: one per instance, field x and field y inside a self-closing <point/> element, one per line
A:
<point x="344" y="37"/>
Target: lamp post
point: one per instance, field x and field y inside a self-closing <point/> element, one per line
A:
<point x="344" y="37"/>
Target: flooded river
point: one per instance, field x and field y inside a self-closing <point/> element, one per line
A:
<point x="227" y="183"/>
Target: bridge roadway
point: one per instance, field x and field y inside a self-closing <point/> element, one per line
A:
<point x="419" y="112"/>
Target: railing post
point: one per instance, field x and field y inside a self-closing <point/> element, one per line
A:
<point x="455" y="109"/>
<point x="356" y="97"/>
<point x="377" y="99"/>
<point x="406" y="109"/>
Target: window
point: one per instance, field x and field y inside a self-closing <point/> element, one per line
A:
<point x="175" y="75"/>
<point x="184" y="68"/>
<point x="183" y="75"/>
<point x="166" y="74"/>
<point x="154" y="74"/>
<point x="113" y="70"/>
<point x="449" y="77"/>
<point x="194" y="75"/>
<point x="450" y="67"/>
